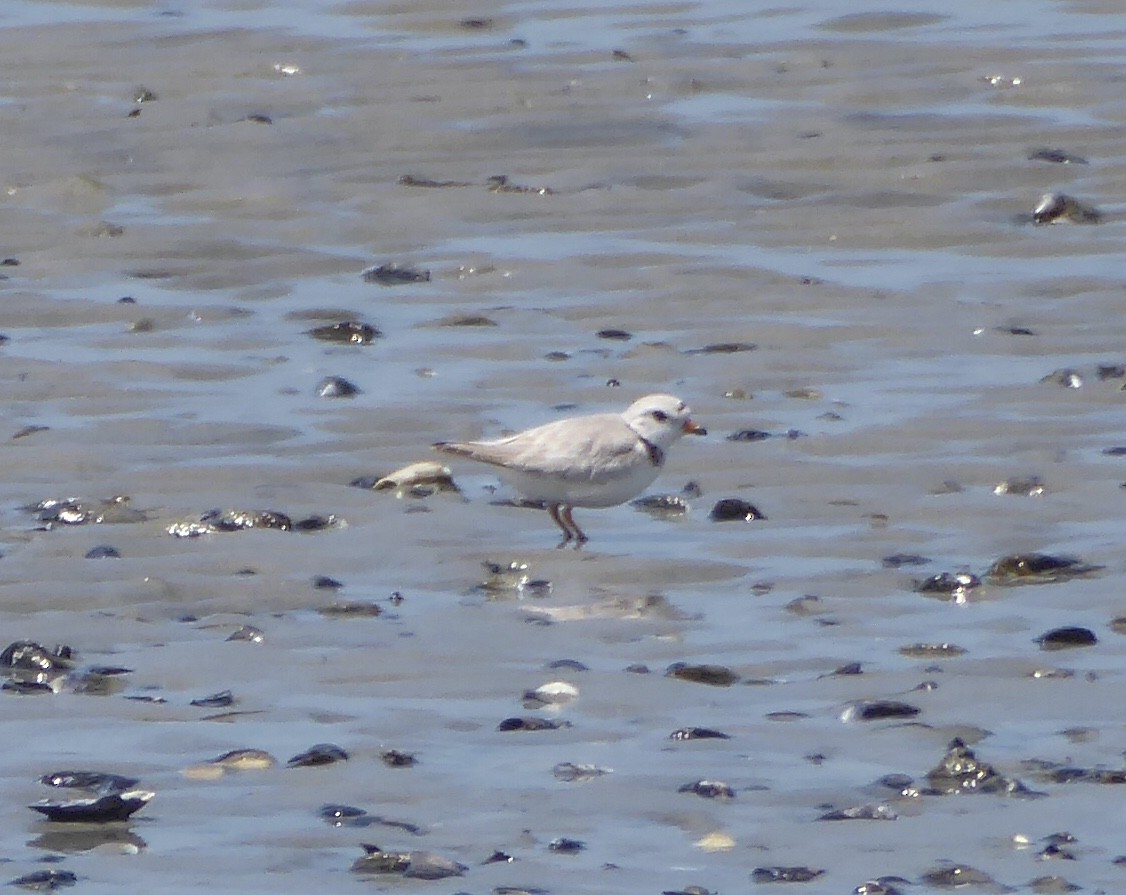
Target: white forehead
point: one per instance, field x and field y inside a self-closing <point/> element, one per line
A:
<point x="668" y="403"/>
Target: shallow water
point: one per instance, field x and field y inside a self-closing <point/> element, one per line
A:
<point x="850" y="193"/>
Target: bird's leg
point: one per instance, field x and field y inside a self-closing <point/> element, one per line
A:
<point x="580" y="535"/>
<point x="553" y="511"/>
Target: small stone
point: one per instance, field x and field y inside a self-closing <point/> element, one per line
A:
<point x="222" y="699"/>
<point x="1058" y="208"/>
<point x="709" y="789"/>
<point x="733" y="509"/>
<point x="103" y="551"/>
<point x="713" y="675"/>
<point x="879" y="710"/>
<point x="394" y="274"/>
<point x="318" y="756"/>
<point x="336" y="387"/>
<point x="1067" y="637"/>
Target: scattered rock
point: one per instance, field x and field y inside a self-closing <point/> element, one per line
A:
<point x="879" y="710"/>
<point x="1060" y="208"/>
<point x="956" y="586"/>
<point x="347" y="332"/>
<point x="530" y="723"/>
<point x="713" y="675"/>
<point x="318" y="756"/>
<point x="709" y="789"/>
<point x="336" y="387"/>
<point x="698" y="733"/>
<point x="1038" y="568"/>
<point x="109" y="797"/>
<point x="577" y="773"/>
<point x="1066" y="638"/>
<point x="960" y="771"/>
<point x="784" y="874"/>
<point x="733" y="509"/>
<point x="394" y="274"/>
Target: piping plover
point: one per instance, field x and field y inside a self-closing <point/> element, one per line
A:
<point x="600" y="460"/>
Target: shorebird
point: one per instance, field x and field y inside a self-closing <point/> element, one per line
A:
<point x="600" y="460"/>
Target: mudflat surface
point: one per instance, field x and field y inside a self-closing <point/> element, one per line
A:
<point x="849" y="193"/>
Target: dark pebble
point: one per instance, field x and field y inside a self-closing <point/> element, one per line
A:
<point x="103" y="809"/>
<point x="898" y="560"/>
<point x="698" y="733"/>
<point x="318" y="755"/>
<point x="1056" y="156"/>
<point x="110" y="797"/>
<point x="884" y="885"/>
<point x="351" y="609"/>
<point x="883" y="709"/>
<point x="723" y="348"/>
<point x="249" y="633"/>
<point x="957" y="876"/>
<point x="1063" y="638"/>
<point x="348" y="332"/>
<point x="861" y="812"/>
<point x="27" y="655"/>
<point x="567" y="772"/>
<point x="394" y="758"/>
<point x="784" y="874"/>
<point x="95" y="781"/>
<point x="1064" y="377"/>
<point x="1034" y="568"/>
<point x="316" y="523"/>
<point x="108" y="670"/>
<point x="394" y="274"/>
<point x="466" y="320"/>
<point x="749" y="435"/>
<point x="661" y="505"/>
<point x="614" y="335"/>
<point x="567" y="665"/>
<point x="336" y="387"/>
<point x="413" y="180"/>
<point x="565" y="846"/>
<point x="713" y="675"/>
<point x="708" y="789"/>
<point x="340" y="812"/>
<point x="530" y="723"/>
<point x="220" y="700"/>
<point x="45" y="880"/>
<point x="27" y="688"/>
<point x="732" y="509"/>
<point x="955" y="585"/>
<point x="1056" y="207"/>
<point x="103" y="551"/>
<point x="238" y="520"/>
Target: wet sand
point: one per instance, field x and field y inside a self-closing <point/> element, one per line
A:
<point x="849" y="193"/>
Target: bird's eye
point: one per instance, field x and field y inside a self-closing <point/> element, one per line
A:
<point x="660" y="416"/>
